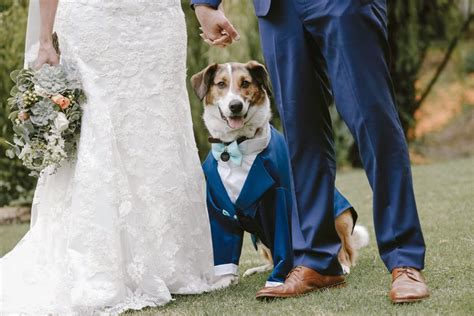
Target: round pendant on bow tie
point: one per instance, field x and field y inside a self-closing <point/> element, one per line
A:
<point x="225" y="156"/>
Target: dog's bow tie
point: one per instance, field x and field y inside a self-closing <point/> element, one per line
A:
<point x="226" y="152"/>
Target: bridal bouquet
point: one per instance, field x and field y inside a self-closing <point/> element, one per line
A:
<point x="46" y="115"/>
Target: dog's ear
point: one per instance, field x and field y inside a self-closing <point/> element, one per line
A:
<point x="202" y="81"/>
<point x="260" y="74"/>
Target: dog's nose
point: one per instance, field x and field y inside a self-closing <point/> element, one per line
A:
<point x="236" y="106"/>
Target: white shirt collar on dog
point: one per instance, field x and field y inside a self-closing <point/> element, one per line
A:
<point x="258" y="144"/>
<point x="233" y="177"/>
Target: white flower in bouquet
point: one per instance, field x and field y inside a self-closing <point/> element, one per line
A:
<point x="55" y="148"/>
<point x="61" y="123"/>
<point x="42" y="92"/>
<point x="25" y="151"/>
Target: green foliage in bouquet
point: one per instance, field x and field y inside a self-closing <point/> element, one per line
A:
<point x="46" y="115"/>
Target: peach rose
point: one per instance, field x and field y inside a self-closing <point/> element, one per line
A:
<point x="62" y="101"/>
<point x="23" y="116"/>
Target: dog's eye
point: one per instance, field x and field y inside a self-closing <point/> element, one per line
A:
<point x="221" y="85"/>
<point x="245" y="84"/>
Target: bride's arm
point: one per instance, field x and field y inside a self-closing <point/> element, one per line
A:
<point x="47" y="54"/>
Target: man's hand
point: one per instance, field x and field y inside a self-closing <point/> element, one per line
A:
<point x="216" y="28"/>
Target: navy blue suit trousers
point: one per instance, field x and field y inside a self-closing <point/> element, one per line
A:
<point x="317" y="51"/>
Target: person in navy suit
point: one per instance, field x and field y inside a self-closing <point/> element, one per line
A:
<point x="339" y="46"/>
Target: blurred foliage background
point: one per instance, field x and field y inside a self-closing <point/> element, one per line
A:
<point x="432" y="66"/>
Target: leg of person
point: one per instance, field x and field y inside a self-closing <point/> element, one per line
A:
<point x="352" y="36"/>
<point x="304" y="111"/>
<point x="305" y="118"/>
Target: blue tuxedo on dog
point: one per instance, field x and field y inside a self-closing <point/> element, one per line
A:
<point x="263" y="208"/>
<point x="317" y="50"/>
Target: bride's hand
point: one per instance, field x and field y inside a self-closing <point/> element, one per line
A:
<point x="46" y="55"/>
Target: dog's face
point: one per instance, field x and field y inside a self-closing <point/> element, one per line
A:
<point x="236" y="98"/>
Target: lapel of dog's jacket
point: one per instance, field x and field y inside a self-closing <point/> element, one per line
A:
<point x="217" y="194"/>
<point x="257" y="183"/>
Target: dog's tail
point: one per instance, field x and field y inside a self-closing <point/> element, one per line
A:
<point x="360" y="236"/>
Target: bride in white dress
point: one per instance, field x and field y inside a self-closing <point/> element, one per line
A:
<point x="126" y="225"/>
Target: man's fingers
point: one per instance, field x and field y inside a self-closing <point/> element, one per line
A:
<point x="224" y="40"/>
<point x="221" y="42"/>
<point x="208" y="41"/>
<point x="212" y="43"/>
<point x="229" y="28"/>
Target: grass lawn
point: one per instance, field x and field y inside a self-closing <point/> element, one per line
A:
<point x="445" y="194"/>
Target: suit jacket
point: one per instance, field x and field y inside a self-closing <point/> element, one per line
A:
<point x="262" y="7"/>
<point x="269" y="171"/>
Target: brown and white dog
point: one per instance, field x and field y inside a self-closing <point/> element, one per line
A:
<point x="236" y="105"/>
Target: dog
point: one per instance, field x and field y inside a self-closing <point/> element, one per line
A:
<point x="236" y="99"/>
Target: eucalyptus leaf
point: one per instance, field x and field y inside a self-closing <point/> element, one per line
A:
<point x="26" y="137"/>
<point x="22" y="131"/>
<point x="18" y="129"/>
<point x="74" y="117"/>
<point x="14" y="75"/>
<point x="12" y="102"/>
<point x="68" y="147"/>
<point x="13" y="115"/>
<point x="29" y="126"/>
<point x="14" y="91"/>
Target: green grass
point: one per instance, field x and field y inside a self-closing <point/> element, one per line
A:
<point x="445" y="198"/>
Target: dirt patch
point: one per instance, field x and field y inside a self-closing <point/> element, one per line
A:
<point x="445" y="122"/>
<point x="452" y="92"/>
<point x="455" y="140"/>
<point x="10" y="215"/>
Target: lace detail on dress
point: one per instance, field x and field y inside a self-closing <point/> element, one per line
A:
<point x="126" y="225"/>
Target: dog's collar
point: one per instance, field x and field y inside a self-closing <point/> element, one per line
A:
<point x="213" y="140"/>
<point x="239" y="140"/>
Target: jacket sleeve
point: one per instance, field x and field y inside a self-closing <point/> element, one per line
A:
<point x="211" y="3"/>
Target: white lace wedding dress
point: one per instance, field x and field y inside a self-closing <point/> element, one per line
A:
<point x="126" y="225"/>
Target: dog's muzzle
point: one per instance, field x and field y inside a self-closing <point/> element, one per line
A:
<point x="234" y="121"/>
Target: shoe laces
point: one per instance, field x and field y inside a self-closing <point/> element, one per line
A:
<point x="294" y="271"/>
<point x="408" y="272"/>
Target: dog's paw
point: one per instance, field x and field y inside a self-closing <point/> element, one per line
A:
<point x="345" y="259"/>
<point x="260" y="269"/>
<point x="224" y="281"/>
<point x="345" y="269"/>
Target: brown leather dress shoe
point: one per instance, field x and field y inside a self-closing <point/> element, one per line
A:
<point x="408" y="285"/>
<point x="301" y="280"/>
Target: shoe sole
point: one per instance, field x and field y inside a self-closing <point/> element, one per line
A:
<point x="409" y="300"/>
<point x="276" y="296"/>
